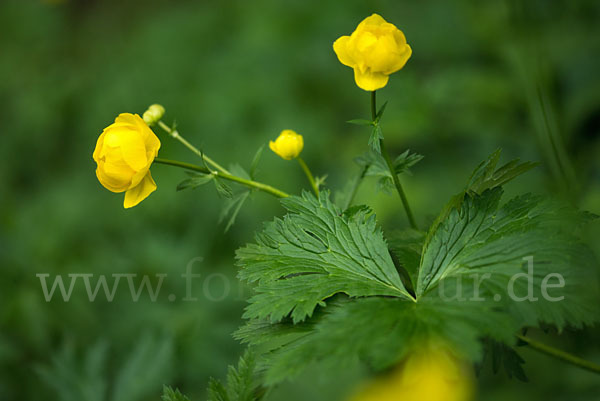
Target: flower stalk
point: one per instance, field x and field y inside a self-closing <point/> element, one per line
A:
<point x="309" y="175"/>
<point x="390" y="164"/>
<point x="227" y="176"/>
<point x="561" y="355"/>
<point x="175" y="134"/>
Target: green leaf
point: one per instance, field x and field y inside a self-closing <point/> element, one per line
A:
<point x="376" y="135"/>
<point x="146" y="365"/>
<point x="233" y="204"/>
<point x="232" y="207"/>
<point x="381" y="111"/>
<point x="255" y="161"/>
<point x="403" y="162"/>
<point x="216" y="391"/>
<point x="312" y="254"/>
<point x="196" y="180"/>
<point x="242" y="384"/>
<point x="320" y="180"/>
<point x="75" y="379"/>
<point x="483" y="241"/>
<point x="377" y="167"/>
<point x="173" y="395"/>
<point x="360" y="121"/>
<point x="487" y="176"/>
<point x="223" y="189"/>
<point x="380" y="331"/>
<point x="407" y="246"/>
<point x="506" y="357"/>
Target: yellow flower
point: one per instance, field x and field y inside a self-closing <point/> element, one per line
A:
<point x="428" y="375"/>
<point x="124" y="152"/>
<point x="375" y="50"/>
<point x="288" y="145"/>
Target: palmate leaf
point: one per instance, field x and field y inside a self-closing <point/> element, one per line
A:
<point x="468" y="257"/>
<point x="480" y="241"/>
<point x="378" y="330"/>
<point x="312" y="254"/>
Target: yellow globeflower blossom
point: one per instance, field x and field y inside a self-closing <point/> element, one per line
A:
<point x="426" y="375"/>
<point x="124" y="152"/>
<point x="288" y="145"/>
<point x="375" y="50"/>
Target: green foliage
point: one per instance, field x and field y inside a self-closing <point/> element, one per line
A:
<point x="375" y="166"/>
<point x="74" y="379"/>
<point x="241" y="383"/>
<point x="406" y="246"/>
<point x="173" y="395"/>
<point x="194" y="181"/>
<point x="507" y="358"/>
<point x="312" y="254"/>
<point x="328" y="291"/>
<point x="477" y="237"/>
<point x="233" y="205"/>
<point x="88" y="377"/>
<point x="375" y="138"/>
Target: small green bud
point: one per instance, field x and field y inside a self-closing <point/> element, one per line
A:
<point x="153" y="114"/>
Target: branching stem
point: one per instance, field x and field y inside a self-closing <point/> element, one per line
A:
<point x="175" y="134"/>
<point x="390" y="165"/>
<point x="249" y="183"/>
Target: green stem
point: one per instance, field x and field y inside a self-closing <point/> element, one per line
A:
<point x="390" y="165"/>
<point x="175" y="134"/>
<point x="309" y="175"/>
<point x="559" y="354"/>
<point x="355" y="186"/>
<point x="249" y="183"/>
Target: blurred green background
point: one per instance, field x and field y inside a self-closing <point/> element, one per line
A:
<point x="518" y="75"/>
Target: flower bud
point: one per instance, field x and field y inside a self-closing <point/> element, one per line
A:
<point x="124" y="152"/>
<point x="154" y="114"/>
<point x="375" y="50"/>
<point x="288" y="145"/>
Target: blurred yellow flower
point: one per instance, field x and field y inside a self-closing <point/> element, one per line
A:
<point x="124" y="152"/>
<point x="288" y="145"/>
<point x="375" y="50"/>
<point x="427" y="375"/>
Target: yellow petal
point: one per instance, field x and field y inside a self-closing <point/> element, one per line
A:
<point x="400" y="60"/>
<point x="372" y="20"/>
<point x="151" y="141"/>
<point x="113" y="183"/>
<point x="140" y="192"/>
<point x="131" y="144"/>
<point x="127" y="118"/>
<point x="399" y="37"/>
<point x="385" y="54"/>
<point x="98" y="149"/>
<point x="273" y="146"/>
<point x="340" y="47"/>
<point x="370" y="81"/>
